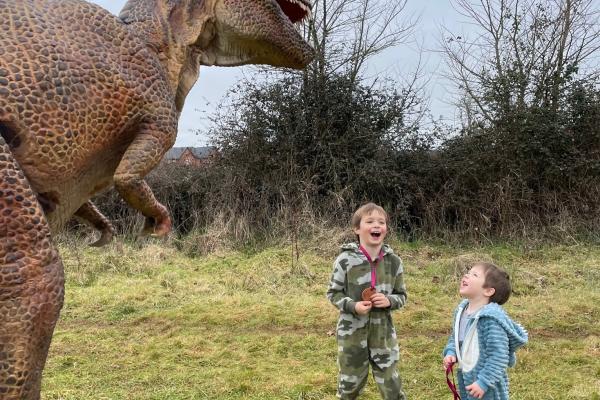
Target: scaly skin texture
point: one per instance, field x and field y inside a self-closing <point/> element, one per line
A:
<point x="89" y="100"/>
<point x="31" y="283"/>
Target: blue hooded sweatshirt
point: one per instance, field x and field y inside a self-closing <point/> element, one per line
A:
<point x="488" y="348"/>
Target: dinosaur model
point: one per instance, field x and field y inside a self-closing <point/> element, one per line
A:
<point x="89" y="100"/>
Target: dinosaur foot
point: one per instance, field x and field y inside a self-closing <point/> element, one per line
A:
<point x="105" y="239"/>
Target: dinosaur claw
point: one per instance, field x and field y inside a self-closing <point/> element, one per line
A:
<point x="105" y="239"/>
<point x="156" y="230"/>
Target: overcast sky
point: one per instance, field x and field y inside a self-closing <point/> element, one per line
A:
<point x="214" y="82"/>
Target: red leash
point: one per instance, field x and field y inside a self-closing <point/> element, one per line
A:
<point x="451" y="383"/>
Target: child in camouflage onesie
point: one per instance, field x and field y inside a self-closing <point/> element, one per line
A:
<point x="366" y="286"/>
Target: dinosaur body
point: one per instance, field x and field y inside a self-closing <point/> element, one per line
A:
<point x="75" y="109"/>
<point x="89" y="100"/>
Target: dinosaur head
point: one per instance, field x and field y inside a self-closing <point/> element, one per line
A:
<point x="258" y="32"/>
<point x="189" y="33"/>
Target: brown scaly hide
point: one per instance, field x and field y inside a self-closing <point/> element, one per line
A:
<point x="31" y="284"/>
<point x="84" y="102"/>
<point x="89" y="100"/>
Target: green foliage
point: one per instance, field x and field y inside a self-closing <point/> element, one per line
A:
<point x="302" y="136"/>
<point x="537" y="168"/>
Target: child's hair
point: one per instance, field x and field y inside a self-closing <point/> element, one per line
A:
<point x="497" y="278"/>
<point x="366" y="210"/>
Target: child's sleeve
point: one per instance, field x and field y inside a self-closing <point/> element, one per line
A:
<point x="336" y="291"/>
<point x="496" y="342"/>
<point x="450" y="349"/>
<point x="398" y="296"/>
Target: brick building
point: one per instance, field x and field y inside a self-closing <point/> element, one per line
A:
<point x="194" y="156"/>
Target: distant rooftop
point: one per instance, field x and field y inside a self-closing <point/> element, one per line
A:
<point x="198" y="152"/>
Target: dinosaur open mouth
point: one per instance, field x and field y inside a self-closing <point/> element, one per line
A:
<point x="295" y="10"/>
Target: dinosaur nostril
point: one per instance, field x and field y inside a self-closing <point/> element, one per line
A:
<point x="10" y="135"/>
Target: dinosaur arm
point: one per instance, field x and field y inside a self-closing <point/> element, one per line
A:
<point x="89" y="213"/>
<point x="142" y="155"/>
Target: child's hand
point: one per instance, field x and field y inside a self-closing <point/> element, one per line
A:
<point x="475" y="391"/>
<point x="448" y="360"/>
<point x="380" y="300"/>
<point x="363" y="307"/>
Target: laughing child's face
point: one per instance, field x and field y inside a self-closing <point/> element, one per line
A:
<point x="372" y="229"/>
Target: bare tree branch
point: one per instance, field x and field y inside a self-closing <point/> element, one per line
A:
<point x="525" y="52"/>
<point x="347" y="33"/>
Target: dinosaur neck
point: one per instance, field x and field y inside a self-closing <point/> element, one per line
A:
<point x="150" y="20"/>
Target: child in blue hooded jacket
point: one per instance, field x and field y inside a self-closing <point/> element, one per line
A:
<point x="484" y="338"/>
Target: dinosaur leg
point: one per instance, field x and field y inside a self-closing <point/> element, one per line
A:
<point x="143" y="154"/>
<point x="89" y="213"/>
<point x="31" y="284"/>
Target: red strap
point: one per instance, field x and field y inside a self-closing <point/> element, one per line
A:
<point x="372" y="264"/>
<point x="451" y="383"/>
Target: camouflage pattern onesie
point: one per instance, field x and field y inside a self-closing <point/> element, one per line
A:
<point x="367" y="339"/>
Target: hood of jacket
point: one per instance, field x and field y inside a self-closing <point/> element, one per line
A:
<point x="517" y="335"/>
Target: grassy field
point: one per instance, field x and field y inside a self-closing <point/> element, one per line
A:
<point x="147" y="322"/>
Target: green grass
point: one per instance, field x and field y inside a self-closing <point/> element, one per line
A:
<point x="146" y="322"/>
